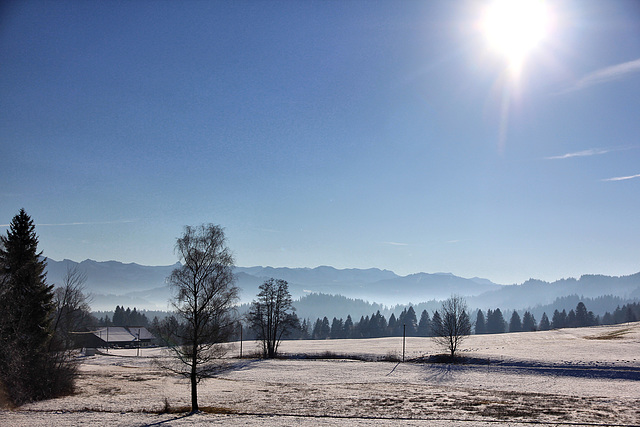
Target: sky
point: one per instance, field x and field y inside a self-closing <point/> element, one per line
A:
<point x="354" y="134"/>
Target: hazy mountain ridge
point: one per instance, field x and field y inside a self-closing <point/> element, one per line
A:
<point x="538" y="292"/>
<point x="145" y="287"/>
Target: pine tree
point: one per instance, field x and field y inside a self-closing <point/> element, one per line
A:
<point x="582" y="315"/>
<point x="348" y="327"/>
<point x="424" y="326"/>
<point x="411" y="322"/>
<point x="317" y="329"/>
<point x="528" y="322"/>
<point x="515" y="325"/>
<point x="436" y="321"/>
<point x="495" y="322"/>
<point x="393" y="325"/>
<point x="559" y="319"/>
<point x="337" y="328"/>
<point x="325" y="328"/>
<point x="571" y="319"/>
<point x="544" y="325"/>
<point x="119" y="316"/>
<point x="27" y="369"/>
<point x="481" y="326"/>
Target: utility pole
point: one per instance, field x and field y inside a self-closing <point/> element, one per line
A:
<point x="404" y="337"/>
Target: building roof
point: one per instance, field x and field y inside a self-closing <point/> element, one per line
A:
<point x="112" y="334"/>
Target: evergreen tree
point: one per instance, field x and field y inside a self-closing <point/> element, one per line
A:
<point x="362" y="327"/>
<point x="411" y="322"/>
<point x="436" y="320"/>
<point x="119" y="316"/>
<point x="377" y="325"/>
<point x="424" y="326"/>
<point x="337" y="328"/>
<point x="582" y="315"/>
<point x="28" y="370"/>
<point x="515" y="324"/>
<point x="393" y="325"/>
<point x="545" y="325"/>
<point x="528" y="322"/>
<point x="304" y="330"/>
<point x="481" y="326"/>
<point x="317" y="329"/>
<point x="607" y="319"/>
<point x="348" y="327"/>
<point x="325" y="329"/>
<point x="559" y="319"/>
<point x="571" y="319"/>
<point x="495" y="322"/>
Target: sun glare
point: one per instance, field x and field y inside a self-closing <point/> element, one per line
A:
<point x="515" y="27"/>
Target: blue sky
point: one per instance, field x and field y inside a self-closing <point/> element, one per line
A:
<point x="354" y="134"/>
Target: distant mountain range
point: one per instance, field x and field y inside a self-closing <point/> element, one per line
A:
<point x="114" y="283"/>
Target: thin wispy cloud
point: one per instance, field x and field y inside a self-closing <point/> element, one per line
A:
<point x="621" y="178"/>
<point x="396" y="244"/>
<point x="583" y="153"/>
<point x="607" y="74"/>
<point x="66" y="224"/>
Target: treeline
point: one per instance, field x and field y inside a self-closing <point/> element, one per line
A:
<point x="494" y="322"/>
<point x="377" y="326"/>
<point x="122" y="317"/>
<point x="374" y="326"/>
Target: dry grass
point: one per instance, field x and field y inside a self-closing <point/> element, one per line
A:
<point x="613" y="335"/>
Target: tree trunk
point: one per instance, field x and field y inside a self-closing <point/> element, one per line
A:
<point x="194" y="387"/>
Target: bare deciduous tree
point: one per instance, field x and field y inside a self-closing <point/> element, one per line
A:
<point x="70" y="307"/>
<point x="204" y="298"/>
<point x="453" y="326"/>
<point x="271" y="316"/>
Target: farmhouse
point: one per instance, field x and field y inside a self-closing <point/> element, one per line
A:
<point x="116" y="336"/>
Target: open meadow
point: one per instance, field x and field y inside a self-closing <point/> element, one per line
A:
<point x="586" y="376"/>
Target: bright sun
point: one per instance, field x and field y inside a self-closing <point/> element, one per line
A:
<point x="515" y="27"/>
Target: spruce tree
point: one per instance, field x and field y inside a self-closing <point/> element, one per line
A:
<point x="26" y="298"/>
<point x="436" y="323"/>
<point x="348" y="327"/>
<point x="544" y="325"/>
<point x="481" y="325"/>
<point x="515" y="324"/>
<point x="424" y="327"/>
<point x="27" y="370"/>
<point x="411" y="322"/>
<point x="528" y="322"/>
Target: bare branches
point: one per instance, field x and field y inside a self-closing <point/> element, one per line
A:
<point x="453" y="326"/>
<point x="71" y="307"/>
<point x="204" y="297"/>
<point x="271" y="316"/>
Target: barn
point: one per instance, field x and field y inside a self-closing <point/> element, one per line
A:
<point x="116" y="336"/>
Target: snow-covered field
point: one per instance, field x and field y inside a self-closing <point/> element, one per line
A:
<point x="588" y="376"/>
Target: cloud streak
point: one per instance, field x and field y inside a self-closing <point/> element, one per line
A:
<point x="65" y="224"/>
<point x="621" y="178"/>
<point x="607" y="74"/>
<point x="396" y="244"/>
<point x="583" y="153"/>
